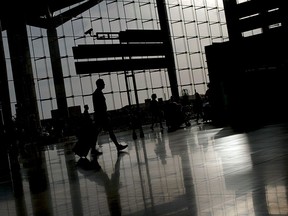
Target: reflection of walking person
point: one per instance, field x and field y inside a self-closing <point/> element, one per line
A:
<point x="101" y="117"/>
<point x="156" y="112"/>
<point x="112" y="186"/>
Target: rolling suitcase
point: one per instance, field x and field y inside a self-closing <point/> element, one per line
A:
<point x="86" y="138"/>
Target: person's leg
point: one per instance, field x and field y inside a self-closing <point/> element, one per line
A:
<point x="197" y="117"/>
<point x="108" y="127"/>
<point x="153" y="122"/>
<point x="160" y="120"/>
<point x="113" y="137"/>
<point x="115" y="141"/>
<point x="96" y="132"/>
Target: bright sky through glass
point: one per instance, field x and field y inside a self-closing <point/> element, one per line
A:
<point x="194" y="24"/>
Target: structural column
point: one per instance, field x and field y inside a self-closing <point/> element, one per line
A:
<point x="57" y="73"/>
<point x="232" y="20"/>
<point x="23" y="75"/>
<point x="4" y="88"/>
<point x="164" y="24"/>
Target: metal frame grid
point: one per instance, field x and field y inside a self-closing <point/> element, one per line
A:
<point x="194" y="24"/>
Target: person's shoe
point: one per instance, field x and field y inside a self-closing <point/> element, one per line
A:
<point x="95" y="152"/>
<point x="122" y="154"/>
<point x="121" y="147"/>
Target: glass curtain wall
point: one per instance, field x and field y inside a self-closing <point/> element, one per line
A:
<point x="194" y="24"/>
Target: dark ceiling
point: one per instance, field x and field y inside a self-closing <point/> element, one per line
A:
<point x="40" y="13"/>
<point x="31" y="9"/>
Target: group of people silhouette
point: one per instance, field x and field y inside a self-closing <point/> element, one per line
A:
<point x="175" y="113"/>
<point x="172" y="113"/>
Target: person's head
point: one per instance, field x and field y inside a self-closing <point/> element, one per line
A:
<point x="197" y="95"/>
<point x="86" y="107"/>
<point x="153" y="96"/>
<point x="100" y="83"/>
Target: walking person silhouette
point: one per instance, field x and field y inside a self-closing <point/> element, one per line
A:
<point x="102" y="120"/>
<point x="156" y="111"/>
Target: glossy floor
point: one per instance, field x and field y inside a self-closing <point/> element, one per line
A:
<point x="198" y="170"/>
